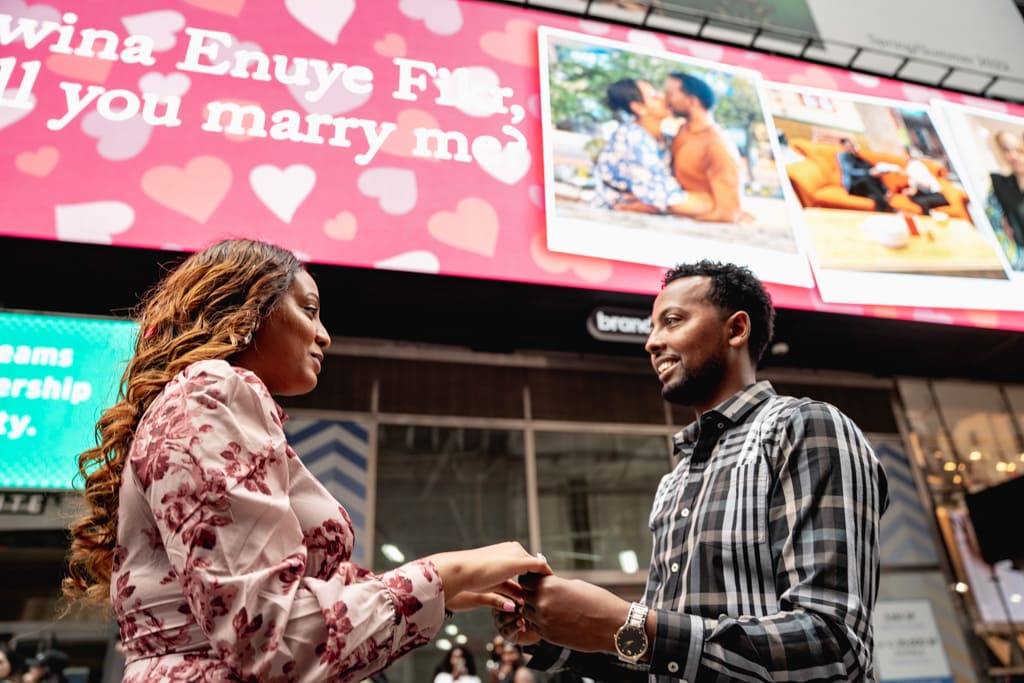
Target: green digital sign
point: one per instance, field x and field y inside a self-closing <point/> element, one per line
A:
<point x="57" y="375"/>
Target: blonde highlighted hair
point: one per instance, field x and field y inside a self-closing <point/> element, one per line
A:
<point x="208" y="307"/>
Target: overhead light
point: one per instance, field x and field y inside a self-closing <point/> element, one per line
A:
<point x="443" y="644"/>
<point x="779" y="348"/>
<point x="1016" y="597"/>
<point x="975" y="455"/>
<point x="949" y="466"/>
<point x="392" y="553"/>
<point x="461" y="639"/>
<point x="628" y="561"/>
<point x="451" y="629"/>
<point x="960" y="587"/>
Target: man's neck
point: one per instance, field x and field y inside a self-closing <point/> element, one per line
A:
<point x="698" y="120"/>
<point x="729" y="387"/>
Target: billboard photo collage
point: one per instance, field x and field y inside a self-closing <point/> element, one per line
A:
<point x="870" y="199"/>
<point x="486" y="141"/>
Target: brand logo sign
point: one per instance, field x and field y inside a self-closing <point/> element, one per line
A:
<point x="619" y="325"/>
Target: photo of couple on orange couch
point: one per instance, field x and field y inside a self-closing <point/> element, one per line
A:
<point x="818" y="180"/>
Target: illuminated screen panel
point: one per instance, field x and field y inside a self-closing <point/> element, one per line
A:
<point x="57" y="374"/>
<point x="411" y="136"/>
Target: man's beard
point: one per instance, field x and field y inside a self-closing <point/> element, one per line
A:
<point x="696" y="386"/>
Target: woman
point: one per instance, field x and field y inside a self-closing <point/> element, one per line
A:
<point x="223" y="557"/>
<point x="633" y="171"/>
<point x="457" y="666"/>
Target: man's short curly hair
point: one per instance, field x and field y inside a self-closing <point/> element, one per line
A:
<point x="734" y="288"/>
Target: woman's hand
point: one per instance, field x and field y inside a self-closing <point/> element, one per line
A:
<point x="482" y="570"/>
<point x="505" y="597"/>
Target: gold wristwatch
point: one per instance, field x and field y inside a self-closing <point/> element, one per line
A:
<point x="631" y="638"/>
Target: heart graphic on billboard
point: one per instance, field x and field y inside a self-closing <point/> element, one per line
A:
<point x="473" y="226"/>
<point x="342" y="227"/>
<point x="392" y="45"/>
<point x="38" y="163"/>
<point x="9" y="114"/>
<point x="92" y="69"/>
<point x="282" y="190"/>
<point x="325" y="19"/>
<point x="230" y="7"/>
<point x="118" y="140"/>
<point x="442" y="17"/>
<point x="419" y="261"/>
<point x="160" y="27"/>
<point x="95" y="222"/>
<point x="196" y="190"/>
<point x="508" y="164"/>
<point x="516" y="44"/>
<point x="394" y="187"/>
<point x="592" y="270"/>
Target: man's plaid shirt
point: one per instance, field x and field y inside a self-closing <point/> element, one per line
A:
<point x="765" y="559"/>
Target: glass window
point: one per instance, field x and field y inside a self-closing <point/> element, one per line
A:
<point x="446" y="488"/>
<point x="595" y="493"/>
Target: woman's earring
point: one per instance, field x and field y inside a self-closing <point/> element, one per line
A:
<point x="248" y="339"/>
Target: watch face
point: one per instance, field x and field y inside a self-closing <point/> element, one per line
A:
<point x="631" y="641"/>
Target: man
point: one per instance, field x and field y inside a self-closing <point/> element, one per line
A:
<point x="923" y="188"/>
<point x="1005" y="202"/>
<point x="46" y="667"/>
<point x="702" y="158"/>
<point x="765" y="555"/>
<point x="862" y="178"/>
<point x="633" y="170"/>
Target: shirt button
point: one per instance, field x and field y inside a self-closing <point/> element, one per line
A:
<point x="721" y="425"/>
<point x="674" y="567"/>
<point x="673" y="667"/>
<point x="685" y="512"/>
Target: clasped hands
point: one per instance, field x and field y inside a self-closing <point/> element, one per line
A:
<point x="568" y="612"/>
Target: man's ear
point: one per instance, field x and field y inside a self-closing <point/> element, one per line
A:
<point x="737" y="329"/>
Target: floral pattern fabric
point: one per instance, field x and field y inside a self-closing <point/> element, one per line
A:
<point x="233" y="562"/>
<point x="635" y="165"/>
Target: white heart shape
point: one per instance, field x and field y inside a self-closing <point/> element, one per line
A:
<point x="508" y="164"/>
<point x="594" y="27"/>
<point x="282" y="190"/>
<point x="323" y="18"/>
<point x="442" y="17"/>
<point x="644" y="39"/>
<point x="866" y="80"/>
<point x="395" y="188"/>
<point x="419" y="261"/>
<point x="95" y="222"/>
<point x="174" y="84"/>
<point x="118" y="140"/>
<point x="18" y="9"/>
<point x="160" y="27"/>
<point x="9" y="114"/>
<point x="474" y="90"/>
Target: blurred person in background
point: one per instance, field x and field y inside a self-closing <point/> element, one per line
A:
<point x="457" y="666"/>
<point x="46" y="667"/>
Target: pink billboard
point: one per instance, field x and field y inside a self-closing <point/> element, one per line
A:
<point x="400" y="136"/>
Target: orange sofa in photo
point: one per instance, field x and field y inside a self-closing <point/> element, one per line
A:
<point x="817" y="180"/>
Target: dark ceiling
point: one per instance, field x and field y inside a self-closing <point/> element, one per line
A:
<point x="501" y="317"/>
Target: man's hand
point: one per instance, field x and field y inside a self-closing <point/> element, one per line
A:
<point x="572" y="613"/>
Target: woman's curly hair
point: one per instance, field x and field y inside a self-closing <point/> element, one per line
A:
<point x="208" y="307"/>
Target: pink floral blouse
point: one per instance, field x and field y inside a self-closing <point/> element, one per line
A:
<point x="232" y="560"/>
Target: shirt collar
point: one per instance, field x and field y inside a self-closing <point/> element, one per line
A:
<point x="732" y="410"/>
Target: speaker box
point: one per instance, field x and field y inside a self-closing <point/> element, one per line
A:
<point x="996" y="513"/>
